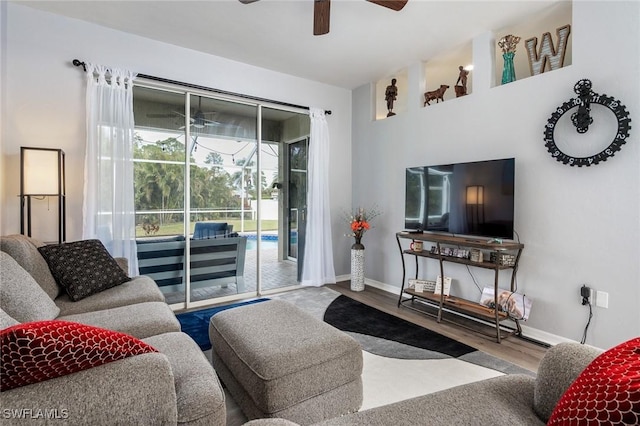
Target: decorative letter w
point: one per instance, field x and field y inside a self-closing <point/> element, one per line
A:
<point x="554" y="57"/>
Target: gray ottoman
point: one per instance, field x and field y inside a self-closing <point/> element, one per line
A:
<point x="278" y="361"/>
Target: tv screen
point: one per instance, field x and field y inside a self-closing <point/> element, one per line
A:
<point x="475" y="198"/>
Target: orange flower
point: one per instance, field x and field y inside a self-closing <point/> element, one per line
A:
<point x="359" y="222"/>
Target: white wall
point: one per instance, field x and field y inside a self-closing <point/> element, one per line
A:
<point x="3" y="86"/>
<point x="45" y="95"/>
<point x="579" y="225"/>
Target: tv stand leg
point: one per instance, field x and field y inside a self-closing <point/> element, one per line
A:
<point x="495" y="301"/>
<point x="404" y="271"/>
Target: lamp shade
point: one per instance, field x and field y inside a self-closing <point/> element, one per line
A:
<point x="475" y="195"/>
<point x="41" y="170"/>
<point x="41" y="178"/>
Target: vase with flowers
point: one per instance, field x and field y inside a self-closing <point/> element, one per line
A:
<point x="508" y="45"/>
<point x="360" y="222"/>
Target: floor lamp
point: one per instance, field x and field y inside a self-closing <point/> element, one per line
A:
<point x="42" y="176"/>
<point x="475" y="207"/>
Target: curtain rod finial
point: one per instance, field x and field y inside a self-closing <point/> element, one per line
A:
<point x="77" y="63"/>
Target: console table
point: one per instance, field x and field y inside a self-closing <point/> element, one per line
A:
<point x="496" y="249"/>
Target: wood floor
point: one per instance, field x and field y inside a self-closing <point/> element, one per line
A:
<point x="518" y="351"/>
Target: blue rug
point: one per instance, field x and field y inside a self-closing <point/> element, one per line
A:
<point x="196" y="323"/>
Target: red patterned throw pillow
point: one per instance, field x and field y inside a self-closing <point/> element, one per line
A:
<point x="606" y="392"/>
<point x="37" y="351"/>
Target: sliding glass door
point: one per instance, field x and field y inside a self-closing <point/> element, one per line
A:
<point x="214" y="195"/>
<point x="280" y="203"/>
<point x="222" y="215"/>
<point x="159" y="175"/>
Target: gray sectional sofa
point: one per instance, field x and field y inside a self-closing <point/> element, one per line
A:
<point x="176" y="385"/>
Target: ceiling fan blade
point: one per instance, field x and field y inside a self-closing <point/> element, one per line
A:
<point x="151" y="115"/>
<point x="390" y="4"/>
<point x="247" y="1"/>
<point x="321" y="11"/>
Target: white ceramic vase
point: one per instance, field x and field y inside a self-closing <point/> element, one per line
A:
<point x="357" y="268"/>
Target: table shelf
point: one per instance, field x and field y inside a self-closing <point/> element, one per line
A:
<point x="484" y="264"/>
<point x="452" y="303"/>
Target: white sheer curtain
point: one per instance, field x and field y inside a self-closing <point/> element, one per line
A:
<point x="108" y="209"/>
<point x="317" y="267"/>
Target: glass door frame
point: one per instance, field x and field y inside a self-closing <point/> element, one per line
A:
<point x="188" y="304"/>
<point x="287" y="208"/>
<point x="188" y="93"/>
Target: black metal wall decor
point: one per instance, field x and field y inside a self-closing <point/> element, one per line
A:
<point x="41" y="176"/>
<point x="582" y="119"/>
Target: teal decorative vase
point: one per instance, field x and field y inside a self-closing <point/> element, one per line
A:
<point x="509" y="71"/>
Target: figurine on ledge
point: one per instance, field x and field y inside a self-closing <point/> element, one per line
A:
<point x="461" y="84"/>
<point x="390" y="96"/>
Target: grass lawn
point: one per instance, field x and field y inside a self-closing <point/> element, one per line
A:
<point x="176" y="228"/>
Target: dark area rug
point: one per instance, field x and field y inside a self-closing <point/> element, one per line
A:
<point x="196" y="323"/>
<point x="350" y="315"/>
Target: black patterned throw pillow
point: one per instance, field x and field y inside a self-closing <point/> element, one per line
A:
<point x="83" y="268"/>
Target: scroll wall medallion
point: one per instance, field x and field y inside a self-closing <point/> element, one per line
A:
<point x="582" y="119"/>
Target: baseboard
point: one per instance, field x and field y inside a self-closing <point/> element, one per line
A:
<point x="382" y="286"/>
<point x="340" y="278"/>
<point x="527" y="332"/>
<point x="543" y="336"/>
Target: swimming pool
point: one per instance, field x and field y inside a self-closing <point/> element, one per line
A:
<point x="265" y="244"/>
<point x="268" y="241"/>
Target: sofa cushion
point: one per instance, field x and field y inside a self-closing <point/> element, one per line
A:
<point x="606" y="392"/>
<point x="20" y="295"/>
<point x="207" y="230"/>
<point x="7" y="320"/>
<point x="199" y="395"/>
<point x="557" y="370"/>
<point x="503" y="400"/>
<point x="37" y="351"/>
<point x="83" y="268"/>
<point x="24" y="250"/>
<point x="139" y="290"/>
<point x="139" y="320"/>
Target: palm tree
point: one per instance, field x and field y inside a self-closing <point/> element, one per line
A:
<point x="243" y="176"/>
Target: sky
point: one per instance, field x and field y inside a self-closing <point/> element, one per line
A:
<point x="230" y="150"/>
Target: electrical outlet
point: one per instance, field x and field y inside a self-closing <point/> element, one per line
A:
<point x="602" y="299"/>
<point x="585" y="292"/>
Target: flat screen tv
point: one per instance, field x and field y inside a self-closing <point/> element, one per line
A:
<point x="475" y="198"/>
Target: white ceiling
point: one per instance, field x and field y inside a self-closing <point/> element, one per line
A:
<point x="365" y="44"/>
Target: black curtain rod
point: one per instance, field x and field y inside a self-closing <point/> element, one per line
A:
<point x="79" y="63"/>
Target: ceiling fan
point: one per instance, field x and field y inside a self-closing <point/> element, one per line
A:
<point x="321" y="11"/>
<point x="197" y="119"/>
